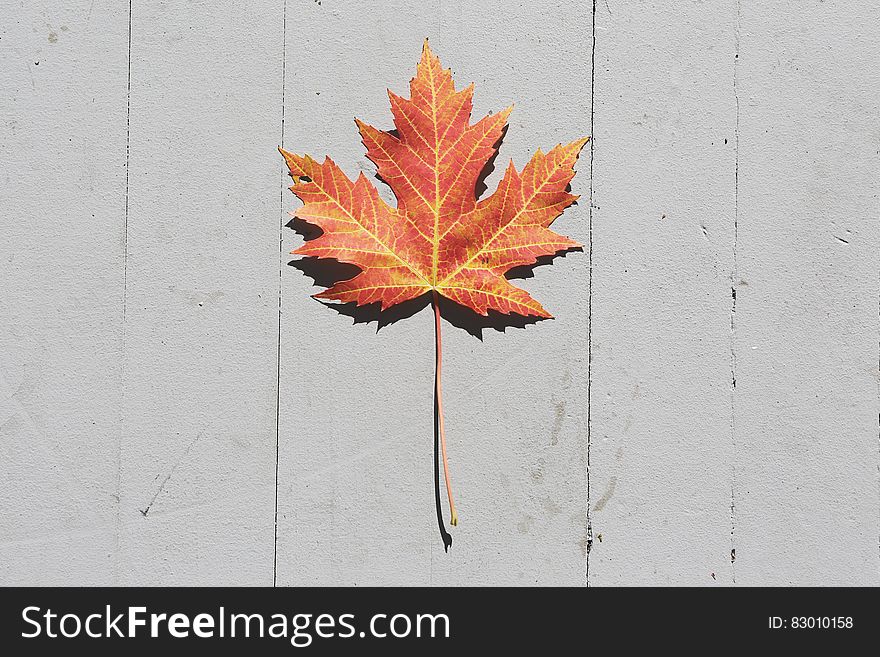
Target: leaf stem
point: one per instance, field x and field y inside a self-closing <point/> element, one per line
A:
<point x="438" y="399"/>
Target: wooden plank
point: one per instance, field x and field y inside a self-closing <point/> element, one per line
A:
<point x="517" y="400"/>
<point x="806" y="314"/>
<point x="62" y="201"/>
<point x="356" y="495"/>
<point x="661" y="432"/>
<point x="202" y="298"/>
<point x="355" y="499"/>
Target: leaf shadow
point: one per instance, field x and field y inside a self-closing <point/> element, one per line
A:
<point x="327" y="272"/>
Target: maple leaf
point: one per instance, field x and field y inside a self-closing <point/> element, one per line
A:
<point x="440" y="239"/>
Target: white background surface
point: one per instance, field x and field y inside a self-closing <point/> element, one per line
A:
<point x="735" y="149"/>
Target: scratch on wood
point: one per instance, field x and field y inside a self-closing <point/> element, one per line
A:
<point x="606" y="496"/>
<point x="170" y="474"/>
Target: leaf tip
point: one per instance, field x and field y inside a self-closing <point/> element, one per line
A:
<point x="580" y="143"/>
<point x="363" y="128"/>
<point x="541" y="312"/>
<point x="427" y="53"/>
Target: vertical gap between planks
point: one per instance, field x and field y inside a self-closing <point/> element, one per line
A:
<point x="280" y="278"/>
<point x="734" y="281"/>
<point x="122" y="369"/>
<point x="590" y="295"/>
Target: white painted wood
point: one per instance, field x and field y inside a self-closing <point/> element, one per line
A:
<point x="356" y="491"/>
<point x="201" y="322"/>
<point x="62" y="196"/>
<point x="806" y="315"/>
<point x="139" y="316"/>
<point x="661" y="453"/>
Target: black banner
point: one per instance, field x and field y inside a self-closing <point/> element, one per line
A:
<point x="335" y="621"/>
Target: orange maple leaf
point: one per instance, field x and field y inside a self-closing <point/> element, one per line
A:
<point x="440" y="239"/>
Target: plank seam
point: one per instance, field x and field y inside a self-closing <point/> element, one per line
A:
<point x="122" y="368"/>
<point x="590" y="295"/>
<point x="280" y="279"/>
<point x="734" y="281"/>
